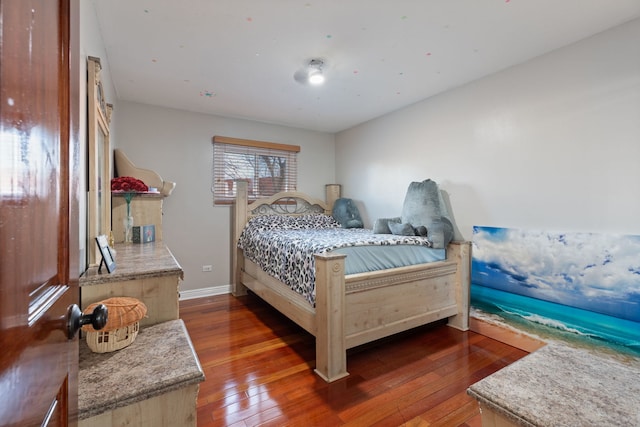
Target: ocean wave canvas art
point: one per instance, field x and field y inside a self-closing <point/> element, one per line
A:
<point x="581" y="286"/>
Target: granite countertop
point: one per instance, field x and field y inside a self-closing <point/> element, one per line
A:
<point x="135" y="261"/>
<point x="559" y="385"/>
<point x="161" y="359"/>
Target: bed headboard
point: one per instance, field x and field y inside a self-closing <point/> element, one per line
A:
<point x="287" y="203"/>
<point x="283" y="203"/>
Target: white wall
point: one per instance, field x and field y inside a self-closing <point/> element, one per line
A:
<point x="550" y="144"/>
<point x="177" y="144"/>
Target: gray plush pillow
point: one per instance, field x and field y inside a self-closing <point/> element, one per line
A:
<point x="401" y="229"/>
<point x="440" y="233"/>
<point x="381" y="226"/>
<point x="347" y="214"/>
<point x="424" y="206"/>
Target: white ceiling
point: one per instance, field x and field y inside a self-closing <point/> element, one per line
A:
<point x="236" y="58"/>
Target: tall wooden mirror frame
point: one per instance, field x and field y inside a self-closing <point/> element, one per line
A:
<point x="99" y="185"/>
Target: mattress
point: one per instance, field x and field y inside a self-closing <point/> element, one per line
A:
<point x="362" y="259"/>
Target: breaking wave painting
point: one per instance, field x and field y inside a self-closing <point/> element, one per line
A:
<point x="580" y="287"/>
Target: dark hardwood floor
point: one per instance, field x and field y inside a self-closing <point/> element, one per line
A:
<point x="259" y="371"/>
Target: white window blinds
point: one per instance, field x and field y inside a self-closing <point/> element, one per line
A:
<point x="267" y="167"/>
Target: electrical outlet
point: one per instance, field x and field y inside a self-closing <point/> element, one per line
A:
<point x="207" y="268"/>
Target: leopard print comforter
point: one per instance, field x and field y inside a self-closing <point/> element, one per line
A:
<point x="284" y="246"/>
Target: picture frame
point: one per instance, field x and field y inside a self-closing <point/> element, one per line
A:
<point x="107" y="257"/>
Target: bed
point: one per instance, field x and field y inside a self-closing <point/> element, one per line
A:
<point x="352" y="309"/>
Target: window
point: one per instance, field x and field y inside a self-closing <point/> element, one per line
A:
<point x="267" y="167"/>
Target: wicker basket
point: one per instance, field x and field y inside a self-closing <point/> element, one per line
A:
<point x="124" y="314"/>
<point x="106" y="341"/>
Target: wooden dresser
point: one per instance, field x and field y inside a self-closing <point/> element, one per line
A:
<point x="147" y="271"/>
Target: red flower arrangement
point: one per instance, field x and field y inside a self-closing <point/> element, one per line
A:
<point x="128" y="184"/>
<point x="129" y="187"/>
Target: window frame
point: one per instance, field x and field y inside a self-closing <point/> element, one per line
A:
<point x="223" y="185"/>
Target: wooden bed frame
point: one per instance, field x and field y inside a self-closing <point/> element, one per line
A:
<point x="359" y="308"/>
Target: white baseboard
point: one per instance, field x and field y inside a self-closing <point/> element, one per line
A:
<point x="204" y="292"/>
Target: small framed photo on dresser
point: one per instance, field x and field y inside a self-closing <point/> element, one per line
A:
<point x="107" y="257"/>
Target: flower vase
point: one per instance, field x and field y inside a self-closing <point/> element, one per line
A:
<point x="128" y="229"/>
<point x="128" y="221"/>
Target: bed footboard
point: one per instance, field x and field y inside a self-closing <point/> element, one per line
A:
<point x="360" y="308"/>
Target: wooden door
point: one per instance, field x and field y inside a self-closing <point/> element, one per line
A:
<point x="39" y="261"/>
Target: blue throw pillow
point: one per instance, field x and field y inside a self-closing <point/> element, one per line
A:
<point x="347" y="214"/>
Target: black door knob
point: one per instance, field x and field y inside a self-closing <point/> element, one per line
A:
<point x="75" y="319"/>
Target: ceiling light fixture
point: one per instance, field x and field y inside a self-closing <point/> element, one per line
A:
<point x="312" y="73"/>
<point x="315" y="72"/>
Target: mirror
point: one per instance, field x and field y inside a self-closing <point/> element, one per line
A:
<point x="99" y="185"/>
